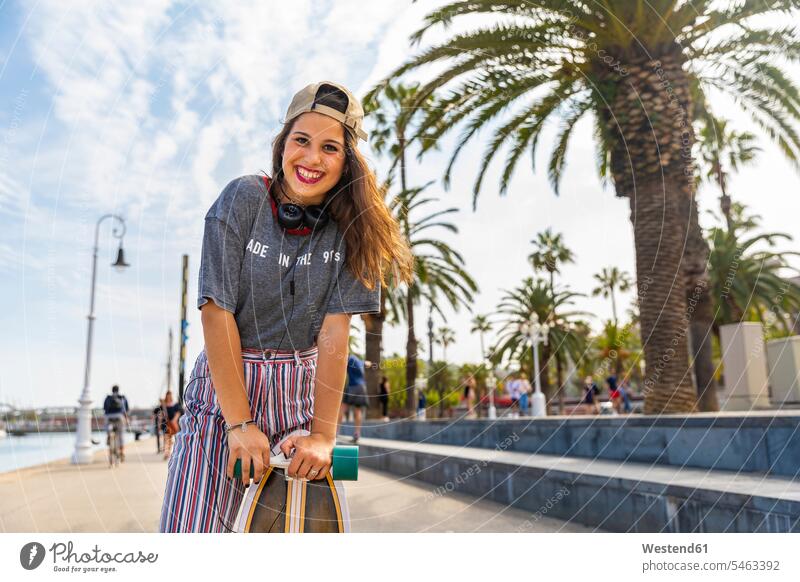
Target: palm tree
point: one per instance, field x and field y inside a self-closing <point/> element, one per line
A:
<point x="480" y="324"/>
<point x="393" y="115"/>
<point x="373" y="332"/>
<point x="518" y="306"/>
<point x="550" y="254"/>
<point x="747" y="282"/>
<point x="635" y="67"/>
<point x="723" y="151"/>
<point x="438" y="269"/>
<point x="611" y="279"/>
<point x="445" y="337"/>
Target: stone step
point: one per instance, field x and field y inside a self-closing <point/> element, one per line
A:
<point x="609" y="495"/>
<point x="760" y="442"/>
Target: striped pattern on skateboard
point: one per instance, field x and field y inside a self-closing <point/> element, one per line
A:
<point x="278" y="505"/>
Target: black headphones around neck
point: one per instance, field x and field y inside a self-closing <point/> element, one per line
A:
<point x="292" y="216"/>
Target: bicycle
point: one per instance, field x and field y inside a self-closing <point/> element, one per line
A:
<point x="114" y="442"/>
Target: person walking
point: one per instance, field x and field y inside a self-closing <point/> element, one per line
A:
<point x="513" y="391"/>
<point x="172" y="412"/>
<point x="591" y="394"/>
<point x="115" y="411"/>
<point x="286" y="260"/>
<point x="624" y="390"/>
<point x="383" y="397"/>
<point x="524" y="392"/>
<point x="614" y="394"/>
<point x="158" y="416"/>
<point x="470" y="394"/>
<point x="355" y="393"/>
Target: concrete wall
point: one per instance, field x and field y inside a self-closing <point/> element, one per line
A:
<point x="744" y="363"/>
<point x="750" y="443"/>
<point x="617" y="504"/>
<point x="784" y="370"/>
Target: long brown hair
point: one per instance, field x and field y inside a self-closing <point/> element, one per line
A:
<point x="375" y="245"/>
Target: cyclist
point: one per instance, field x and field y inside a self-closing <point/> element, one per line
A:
<point x="115" y="409"/>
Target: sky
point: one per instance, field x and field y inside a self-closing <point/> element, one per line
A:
<point x="148" y="109"/>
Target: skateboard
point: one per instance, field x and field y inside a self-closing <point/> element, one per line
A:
<point x="281" y="504"/>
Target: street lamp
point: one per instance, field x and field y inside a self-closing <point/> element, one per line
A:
<point x="491" y="385"/>
<point x="83" y="443"/>
<point x="536" y="332"/>
<point x="430" y="340"/>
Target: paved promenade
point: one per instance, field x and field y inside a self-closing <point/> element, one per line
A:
<point x="61" y="497"/>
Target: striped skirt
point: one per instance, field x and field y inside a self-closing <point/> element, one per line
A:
<point x="199" y="496"/>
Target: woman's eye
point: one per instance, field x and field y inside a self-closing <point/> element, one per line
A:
<point x="332" y="148"/>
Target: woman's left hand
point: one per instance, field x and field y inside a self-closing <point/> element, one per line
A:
<point x="312" y="455"/>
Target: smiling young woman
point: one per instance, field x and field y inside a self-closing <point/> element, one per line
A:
<point x="286" y="262"/>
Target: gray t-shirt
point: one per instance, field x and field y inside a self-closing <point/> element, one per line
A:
<point x="248" y="262"/>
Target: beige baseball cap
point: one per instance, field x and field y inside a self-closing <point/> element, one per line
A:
<point x="303" y="101"/>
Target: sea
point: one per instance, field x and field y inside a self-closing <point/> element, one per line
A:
<point x="19" y="452"/>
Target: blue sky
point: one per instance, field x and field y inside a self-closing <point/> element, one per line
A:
<point x="147" y="109"/>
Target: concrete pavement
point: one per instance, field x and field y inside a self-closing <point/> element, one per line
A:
<point x="61" y="497"/>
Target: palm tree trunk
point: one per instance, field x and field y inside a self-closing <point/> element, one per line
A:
<point x="668" y="386"/>
<point x="614" y="308"/>
<point x="651" y="137"/>
<point x="373" y="324"/>
<point x="724" y="200"/>
<point x="411" y="342"/>
<point x="700" y="309"/>
<point x="411" y="354"/>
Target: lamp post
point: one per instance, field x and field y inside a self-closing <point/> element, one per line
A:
<point x="83" y="443"/>
<point x="536" y="332"/>
<point x="491" y="385"/>
<point x="430" y="341"/>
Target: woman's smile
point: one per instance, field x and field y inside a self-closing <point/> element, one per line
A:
<point x="308" y="176"/>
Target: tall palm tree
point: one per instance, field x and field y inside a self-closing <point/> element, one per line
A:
<point x="611" y="279"/>
<point x="549" y="254"/>
<point x="724" y="150"/>
<point x="445" y="337"/>
<point x="438" y="269"/>
<point x="480" y="324"/>
<point x="518" y="306"/>
<point x="373" y="332"/>
<point x="393" y="115"/>
<point x="635" y="67"/>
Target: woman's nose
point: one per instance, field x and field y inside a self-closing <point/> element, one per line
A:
<point x="313" y="158"/>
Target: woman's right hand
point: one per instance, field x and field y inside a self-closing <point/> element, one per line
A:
<point x="252" y="447"/>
